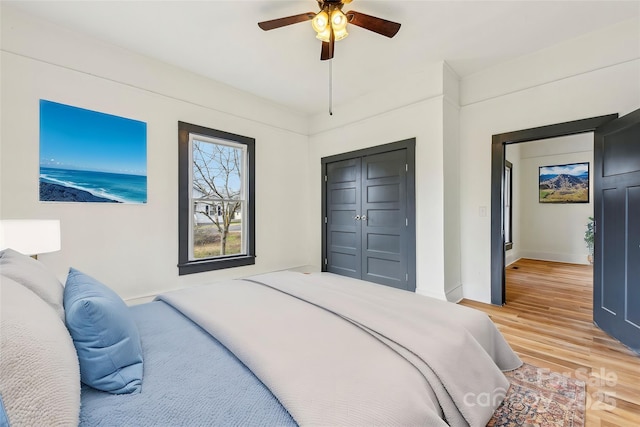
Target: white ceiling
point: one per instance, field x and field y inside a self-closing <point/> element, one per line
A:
<point x="221" y="39"/>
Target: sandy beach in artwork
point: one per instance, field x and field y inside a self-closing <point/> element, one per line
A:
<point x="64" y="185"/>
<point x="61" y="193"/>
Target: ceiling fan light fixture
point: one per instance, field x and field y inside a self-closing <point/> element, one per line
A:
<point x="340" y="34"/>
<point x="324" y="35"/>
<point x="320" y="22"/>
<point x="338" y="20"/>
<point x="330" y="24"/>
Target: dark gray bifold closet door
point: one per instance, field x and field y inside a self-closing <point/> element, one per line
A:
<point x="367" y="225"/>
<point x="343" y="212"/>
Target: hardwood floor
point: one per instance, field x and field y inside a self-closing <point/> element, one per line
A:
<point x="547" y="320"/>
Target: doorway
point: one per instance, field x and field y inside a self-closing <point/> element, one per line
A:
<point x="616" y="173"/>
<point x="548" y="224"/>
<point x="499" y="142"/>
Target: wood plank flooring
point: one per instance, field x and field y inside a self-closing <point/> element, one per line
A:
<point x="548" y="321"/>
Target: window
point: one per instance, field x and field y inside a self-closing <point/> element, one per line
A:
<point x="216" y="199"/>
<point x="508" y="213"/>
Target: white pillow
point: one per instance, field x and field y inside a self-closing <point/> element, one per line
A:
<point x="35" y="276"/>
<point x="39" y="372"/>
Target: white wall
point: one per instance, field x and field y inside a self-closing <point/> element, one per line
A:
<point x="366" y="124"/>
<point x="134" y="248"/>
<point x="552" y="232"/>
<point x="451" y="192"/>
<point x="594" y="75"/>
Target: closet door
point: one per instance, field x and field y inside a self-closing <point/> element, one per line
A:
<point x="368" y="225"/>
<point x="384" y="220"/>
<point x="343" y="231"/>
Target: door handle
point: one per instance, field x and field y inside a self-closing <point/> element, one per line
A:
<point x="363" y="217"/>
<point x="357" y="217"/>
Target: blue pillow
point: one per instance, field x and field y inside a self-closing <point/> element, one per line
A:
<point x="4" y="421"/>
<point x="104" y="334"/>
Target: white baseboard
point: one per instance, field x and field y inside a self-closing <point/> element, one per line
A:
<point x="550" y="256"/>
<point x="511" y="257"/>
<point x="455" y="294"/>
<point x="508" y="263"/>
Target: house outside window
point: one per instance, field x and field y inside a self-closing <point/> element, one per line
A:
<point x="216" y="199"/>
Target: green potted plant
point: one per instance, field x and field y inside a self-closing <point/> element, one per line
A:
<point x="588" y="238"/>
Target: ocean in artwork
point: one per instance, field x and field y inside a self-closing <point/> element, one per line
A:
<point x="72" y="186"/>
<point x="89" y="156"/>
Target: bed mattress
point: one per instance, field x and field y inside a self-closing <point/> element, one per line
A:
<point x="189" y="379"/>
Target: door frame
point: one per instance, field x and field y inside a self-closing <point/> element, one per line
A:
<point x="405" y="144"/>
<point x="498" y="143"/>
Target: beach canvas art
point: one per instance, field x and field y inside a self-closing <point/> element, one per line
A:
<point x="87" y="156"/>
<point x="564" y="183"/>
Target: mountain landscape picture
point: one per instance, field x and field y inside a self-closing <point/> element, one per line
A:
<point x="88" y="156"/>
<point x="564" y="183"/>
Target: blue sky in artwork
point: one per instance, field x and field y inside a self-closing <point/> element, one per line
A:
<point x="573" y="169"/>
<point x="79" y="139"/>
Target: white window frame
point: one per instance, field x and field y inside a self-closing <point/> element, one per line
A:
<point x="243" y="192"/>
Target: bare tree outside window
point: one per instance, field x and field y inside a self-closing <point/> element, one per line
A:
<point x="216" y="194"/>
<point x="218" y="199"/>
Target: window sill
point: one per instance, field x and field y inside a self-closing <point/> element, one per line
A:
<point x="192" y="267"/>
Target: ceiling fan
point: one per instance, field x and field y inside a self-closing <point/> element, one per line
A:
<point x="331" y="22"/>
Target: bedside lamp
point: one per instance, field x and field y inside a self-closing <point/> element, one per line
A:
<point x="30" y="236"/>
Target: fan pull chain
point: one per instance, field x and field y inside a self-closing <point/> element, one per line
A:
<point x="331" y="87"/>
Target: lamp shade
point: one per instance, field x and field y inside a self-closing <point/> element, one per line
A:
<point x="338" y="20"/>
<point x="320" y="22"/>
<point x="324" y="35"/>
<point x="340" y="34"/>
<point x="30" y="236"/>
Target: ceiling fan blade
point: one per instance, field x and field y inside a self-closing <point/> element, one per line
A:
<point x="371" y="23"/>
<point x="327" y="48"/>
<point x="282" y="22"/>
<point x="325" y="54"/>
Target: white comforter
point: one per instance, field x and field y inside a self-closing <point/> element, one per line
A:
<point x="337" y="351"/>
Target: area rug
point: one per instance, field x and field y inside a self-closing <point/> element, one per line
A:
<point x="538" y="397"/>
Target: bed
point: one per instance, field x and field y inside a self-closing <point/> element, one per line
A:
<point x="282" y="348"/>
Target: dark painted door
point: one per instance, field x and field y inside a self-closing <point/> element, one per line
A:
<point x="344" y="189"/>
<point x="367" y="225"/>
<point x="616" y="296"/>
<point x="383" y="219"/>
